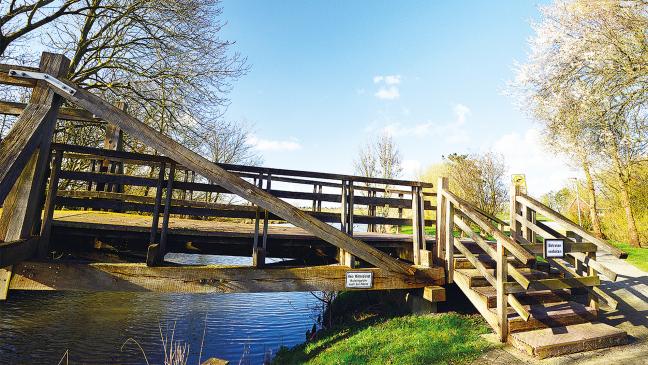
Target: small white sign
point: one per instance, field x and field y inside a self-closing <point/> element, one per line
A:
<point x="554" y="248"/>
<point x="359" y="280"/>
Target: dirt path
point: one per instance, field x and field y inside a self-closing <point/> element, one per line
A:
<point x="631" y="290"/>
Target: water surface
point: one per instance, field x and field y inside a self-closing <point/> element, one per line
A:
<point x="39" y="327"/>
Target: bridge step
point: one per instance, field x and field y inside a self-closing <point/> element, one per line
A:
<point x="489" y="295"/>
<point x="550" y="315"/>
<point x="549" y="342"/>
<point x="475" y="278"/>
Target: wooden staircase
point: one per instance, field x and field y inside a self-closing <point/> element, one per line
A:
<point x="543" y="308"/>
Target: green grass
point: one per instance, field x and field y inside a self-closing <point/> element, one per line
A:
<point x="378" y="336"/>
<point x="636" y="256"/>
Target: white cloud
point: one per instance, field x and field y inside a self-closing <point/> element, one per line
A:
<point x="261" y="144"/>
<point x="526" y="154"/>
<point x="388" y="93"/>
<point x="411" y="169"/>
<point x="453" y="132"/>
<point x="388" y="89"/>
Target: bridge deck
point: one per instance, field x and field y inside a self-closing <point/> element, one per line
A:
<point x="131" y="231"/>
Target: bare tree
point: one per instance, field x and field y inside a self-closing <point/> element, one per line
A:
<point x="19" y="18"/>
<point x="480" y="179"/>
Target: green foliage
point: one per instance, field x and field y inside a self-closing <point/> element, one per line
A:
<point x="430" y="339"/>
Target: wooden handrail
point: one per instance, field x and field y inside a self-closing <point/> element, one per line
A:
<point x="518" y="251"/>
<point x="512" y="270"/>
<point x="244" y="168"/>
<point x="569" y="225"/>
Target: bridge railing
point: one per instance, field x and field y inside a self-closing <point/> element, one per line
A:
<point x="338" y="199"/>
<point x="454" y="211"/>
<point x="580" y="257"/>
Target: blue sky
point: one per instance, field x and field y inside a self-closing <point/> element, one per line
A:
<point x="326" y="76"/>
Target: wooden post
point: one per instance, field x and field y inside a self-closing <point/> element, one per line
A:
<point x="264" y="243"/>
<point x="22" y="206"/>
<point x="50" y="201"/>
<point x="156" y="252"/>
<point x="158" y="202"/>
<point x="502" y="298"/>
<point x="416" y="227"/>
<point x="400" y="213"/>
<point x="349" y="259"/>
<point x="314" y="197"/>
<point x="515" y="226"/>
<point x="113" y="140"/>
<point x="256" y="259"/>
<point x="319" y="201"/>
<point x="449" y="240"/>
<point x="442" y="185"/>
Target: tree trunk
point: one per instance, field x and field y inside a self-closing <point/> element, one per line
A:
<point x="593" y="205"/>
<point x="633" y="235"/>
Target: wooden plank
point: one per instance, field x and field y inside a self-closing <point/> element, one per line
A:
<point x="16" y="81"/>
<point x="59" y="275"/>
<point x="519" y="252"/>
<point x="518" y="307"/>
<point x="157" y="202"/>
<point x="593" y="264"/>
<point x="502" y="299"/>
<point x="46" y="228"/>
<point x="449" y="240"/>
<point x="553" y="284"/>
<point x="28" y="140"/>
<point x="19" y="145"/>
<point x="475" y="262"/>
<point x="417" y="237"/>
<point x="442" y="185"/>
<point x="569" y="225"/>
<point x="611" y="302"/>
<point x="71" y="114"/>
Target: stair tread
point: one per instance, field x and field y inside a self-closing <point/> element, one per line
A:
<point x="527" y="272"/>
<point x="553" y="310"/>
<point x="547" y="342"/>
<point x="489" y="291"/>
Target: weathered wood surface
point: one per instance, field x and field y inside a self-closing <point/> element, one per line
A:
<point x="72" y="114"/>
<point x="569" y="225"/>
<point x="24" y="160"/>
<point x="16" y="81"/>
<point x="203" y="279"/>
<point x="76" y="199"/>
<point x="138" y="223"/>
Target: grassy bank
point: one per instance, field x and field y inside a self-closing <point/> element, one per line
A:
<point x="370" y="332"/>
<point x="636" y="256"/>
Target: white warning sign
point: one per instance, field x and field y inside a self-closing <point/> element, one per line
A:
<point x="554" y="248"/>
<point x="359" y="280"/>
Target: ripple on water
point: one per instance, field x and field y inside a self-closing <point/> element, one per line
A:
<point x="38" y="327"/>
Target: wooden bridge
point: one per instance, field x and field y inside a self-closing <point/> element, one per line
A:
<point x="86" y="218"/>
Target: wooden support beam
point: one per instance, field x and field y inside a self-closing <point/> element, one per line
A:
<point x="24" y="159"/>
<point x="441" y="218"/>
<point x="71" y="114"/>
<point x="204" y="279"/>
<point x="157" y="203"/>
<point x="50" y="204"/>
<point x="449" y="240"/>
<point x="502" y="298"/>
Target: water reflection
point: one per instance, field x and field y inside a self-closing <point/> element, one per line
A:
<point x="38" y="327"/>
